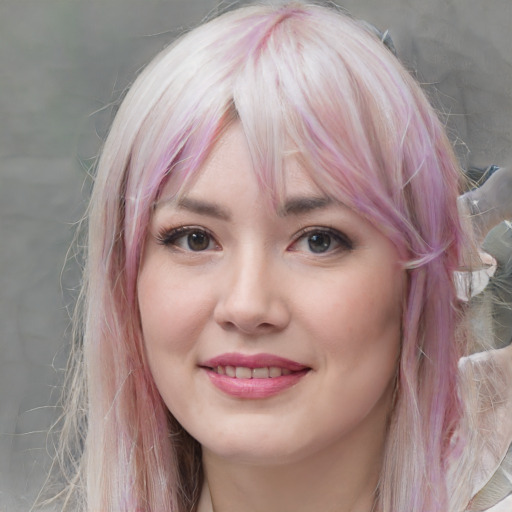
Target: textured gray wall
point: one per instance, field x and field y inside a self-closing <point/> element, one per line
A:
<point x="60" y="61"/>
<point x="63" y="60"/>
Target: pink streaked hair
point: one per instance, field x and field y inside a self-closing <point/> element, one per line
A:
<point x="302" y="80"/>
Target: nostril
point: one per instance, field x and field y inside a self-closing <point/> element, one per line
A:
<point x="248" y="327"/>
<point x="251" y="307"/>
<point x="228" y="326"/>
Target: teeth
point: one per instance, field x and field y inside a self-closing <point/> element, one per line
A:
<point x="260" y="373"/>
<point x="242" y="372"/>
<point x="274" y="371"/>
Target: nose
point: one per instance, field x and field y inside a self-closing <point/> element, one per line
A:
<point x="252" y="299"/>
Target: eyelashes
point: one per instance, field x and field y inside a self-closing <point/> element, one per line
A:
<point x="312" y="240"/>
<point x="188" y="238"/>
<point x="321" y="240"/>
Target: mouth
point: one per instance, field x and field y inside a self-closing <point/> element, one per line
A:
<point x="243" y="372"/>
<point x="258" y="376"/>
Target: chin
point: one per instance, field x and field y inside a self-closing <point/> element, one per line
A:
<point x="269" y="445"/>
<point x="264" y="445"/>
<point x="264" y="454"/>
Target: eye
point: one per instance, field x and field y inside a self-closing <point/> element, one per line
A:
<point x="193" y="239"/>
<point x="321" y="241"/>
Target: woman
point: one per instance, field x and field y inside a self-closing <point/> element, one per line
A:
<point x="269" y="315"/>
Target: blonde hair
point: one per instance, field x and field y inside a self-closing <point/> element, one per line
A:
<point x="337" y="97"/>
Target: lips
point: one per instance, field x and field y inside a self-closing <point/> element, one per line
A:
<point x="255" y="376"/>
<point x="253" y="361"/>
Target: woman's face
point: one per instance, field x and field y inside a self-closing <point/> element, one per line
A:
<point x="270" y="334"/>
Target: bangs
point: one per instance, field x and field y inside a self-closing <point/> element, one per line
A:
<point x="308" y="85"/>
<point x="302" y="95"/>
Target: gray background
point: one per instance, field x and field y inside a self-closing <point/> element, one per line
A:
<point x="61" y="64"/>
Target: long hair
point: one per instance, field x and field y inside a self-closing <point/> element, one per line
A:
<point x="301" y="79"/>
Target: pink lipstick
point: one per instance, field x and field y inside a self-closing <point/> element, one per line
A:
<point x="253" y="376"/>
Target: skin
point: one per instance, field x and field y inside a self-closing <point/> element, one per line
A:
<point x="259" y="287"/>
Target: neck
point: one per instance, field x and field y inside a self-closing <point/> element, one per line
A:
<point x="342" y="478"/>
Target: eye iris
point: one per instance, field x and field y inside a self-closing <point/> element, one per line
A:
<point x="198" y="241"/>
<point x="319" y="242"/>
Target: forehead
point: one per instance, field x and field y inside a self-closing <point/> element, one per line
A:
<point x="230" y="164"/>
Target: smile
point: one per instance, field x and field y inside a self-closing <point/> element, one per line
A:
<point x="243" y="372"/>
<point x="253" y="376"/>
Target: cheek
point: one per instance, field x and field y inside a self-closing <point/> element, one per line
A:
<point x="167" y="329"/>
<point x="169" y="309"/>
<point x="361" y="310"/>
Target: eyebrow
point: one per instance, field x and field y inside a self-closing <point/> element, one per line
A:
<point x="301" y="205"/>
<point x="200" y="207"/>
<point x="292" y="206"/>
